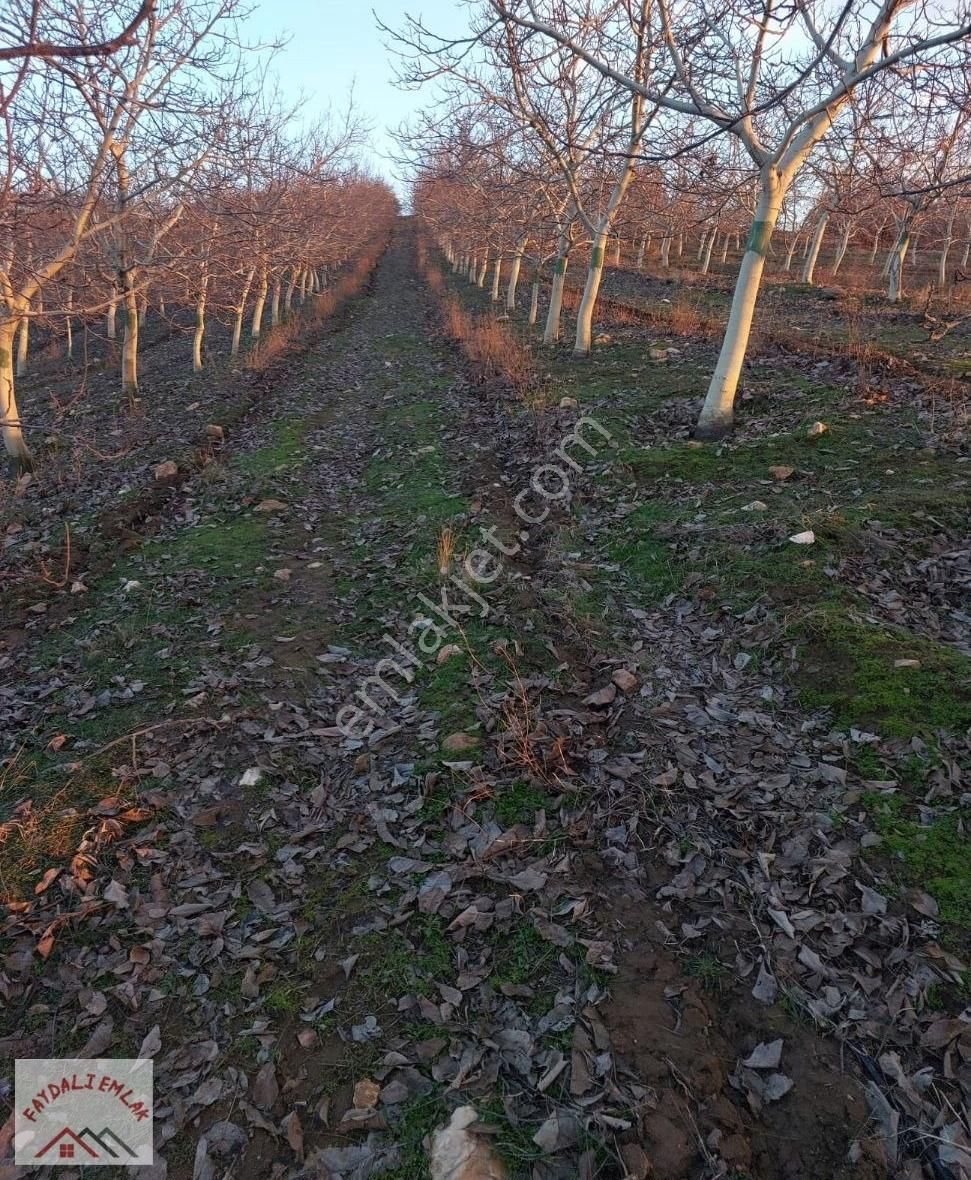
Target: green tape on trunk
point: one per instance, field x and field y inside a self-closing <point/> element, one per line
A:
<point x="758" y="237"/>
<point x="561" y="266"/>
<point x="597" y="258"/>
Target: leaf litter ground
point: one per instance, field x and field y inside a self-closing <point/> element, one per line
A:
<point x="660" y="869"/>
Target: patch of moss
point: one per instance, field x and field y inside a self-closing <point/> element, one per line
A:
<point x="517" y="803"/>
<point x="935" y="857"/>
<point x="848" y="667"/>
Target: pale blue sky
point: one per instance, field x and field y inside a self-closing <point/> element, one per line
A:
<point x="334" y="44"/>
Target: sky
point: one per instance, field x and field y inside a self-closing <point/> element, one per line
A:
<point x="335" y="44"/>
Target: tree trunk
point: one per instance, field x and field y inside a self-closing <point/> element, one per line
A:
<point x="291" y="288"/>
<point x="200" y="331"/>
<point x="496" y="277"/>
<point x="815" y="245"/>
<point x="241" y="311"/>
<point x="641" y="251"/>
<point x="275" y="303"/>
<point x="945" y="250"/>
<point x="129" y="348"/>
<point x="13" y="438"/>
<point x="23" y="337"/>
<point x="112" y="314"/>
<point x="666" y="251"/>
<point x="68" y="325"/>
<point x="791" y="250"/>
<point x="966" y="255"/>
<point x="724" y="254"/>
<point x="514" y="269"/>
<point x="257" y="321"/>
<point x="680" y="244"/>
<point x="534" y="301"/>
<point x="483" y="271"/>
<point x="552" y="331"/>
<point x="617" y="252"/>
<point x="473" y="269"/>
<point x="701" y="244"/>
<point x="591" y="289"/>
<point x="706" y="260"/>
<point x="895" y="271"/>
<point x="843" y="246"/>
<point x="718" y="412"/>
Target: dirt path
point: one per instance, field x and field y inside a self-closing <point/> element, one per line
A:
<point x="519" y="888"/>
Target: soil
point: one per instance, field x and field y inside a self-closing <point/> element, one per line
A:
<point x="579" y="962"/>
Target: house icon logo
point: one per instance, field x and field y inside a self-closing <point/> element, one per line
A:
<point x="61" y="1103"/>
<point x="105" y="1147"/>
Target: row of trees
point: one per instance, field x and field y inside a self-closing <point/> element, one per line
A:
<point x="698" y="126"/>
<point x="157" y="165"/>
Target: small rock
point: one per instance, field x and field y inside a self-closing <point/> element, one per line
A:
<point x="366" y="1094"/>
<point x="817" y="429"/>
<point x="603" y="338"/>
<point x="449" y="650"/>
<point x="270" y="506"/>
<point x="755" y="506"/>
<point x="625" y="681"/>
<point x="602" y="697"/>
<point x="215" y="433"/>
<point x="282" y="575"/>
<point x="806" y="538"/>
<point x="166" y="471"/>
<point x="906" y="663"/>
<point x="781" y="473"/>
<point x="251" y="777"/>
<point x="457" y="742"/>
<point x="569" y="403"/>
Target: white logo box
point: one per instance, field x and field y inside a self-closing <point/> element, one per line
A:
<point x="83" y="1112"/>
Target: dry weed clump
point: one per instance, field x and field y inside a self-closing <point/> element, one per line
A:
<point x="285" y="336"/>
<point x="495" y="351"/>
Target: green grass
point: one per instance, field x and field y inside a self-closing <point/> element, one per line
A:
<point x="517" y="803"/>
<point x="935" y="857"/>
<point x="523" y="956"/>
<point x="848" y="668"/>
<point x="285" y="452"/>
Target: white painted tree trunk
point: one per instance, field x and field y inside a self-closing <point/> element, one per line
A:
<point x="967" y="254"/>
<point x="112" y="316"/>
<point x="200" y="332"/>
<point x="666" y="251"/>
<point x="275" y="303"/>
<point x="617" y="252"/>
<point x="129" y="347"/>
<point x="534" y="301"/>
<point x="791" y="250"/>
<point x="496" y="278"/>
<point x="681" y="244"/>
<point x="241" y="311"/>
<point x="483" y="271"/>
<point x="701" y="244"/>
<point x="23" y="336"/>
<point x="257" y="321"/>
<point x="514" y="269"/>
<point x="945" y="250"/>
<point x="551" y="332"/>
<point x="895" y="269"/>
<point x="291" y="290"/>
<point x="69" y="325"/>
<point x="812" y="255"/>
<point x="843" y="246"/>
<point x="591" y="289"/>
<point x="10" y="425"/>
<point x="718" y="412"/>
<point x="709" y="245"/>
<point x="876" y="243"/>
<point x="641" y="251"/>
<point x="473" y="269"/>
<point x="724" y="253"/>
